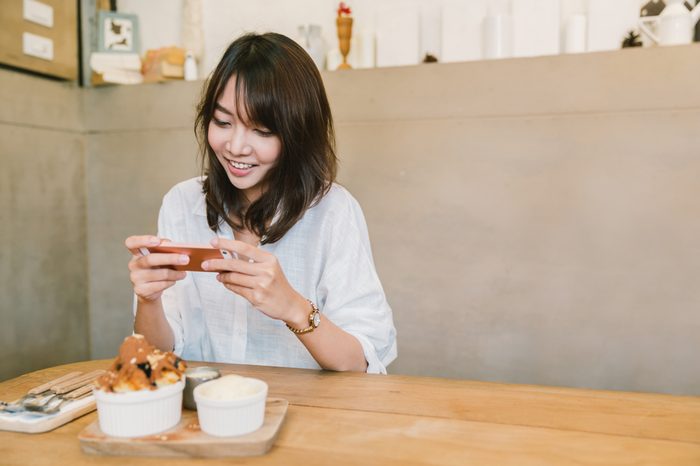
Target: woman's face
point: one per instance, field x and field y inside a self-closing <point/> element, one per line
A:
<point x="246" y="152"/>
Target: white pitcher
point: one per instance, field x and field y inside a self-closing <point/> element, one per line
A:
<point x="675" y="24"/>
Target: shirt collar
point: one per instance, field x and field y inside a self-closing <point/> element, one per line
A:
<point x="200" y="209"/>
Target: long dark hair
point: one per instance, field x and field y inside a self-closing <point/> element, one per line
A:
<point x="279" y="88"/>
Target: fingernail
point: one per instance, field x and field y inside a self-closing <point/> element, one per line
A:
<point x="205" y="265"/>
<point x="183" y="259"/>
<point x="153" y="241"/>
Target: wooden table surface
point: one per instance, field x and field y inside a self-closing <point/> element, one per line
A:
<point x="360" y="419"/>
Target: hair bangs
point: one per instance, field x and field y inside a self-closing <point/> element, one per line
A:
<point x="255" y="103"/>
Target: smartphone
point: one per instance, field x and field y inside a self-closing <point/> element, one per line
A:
<point x="198" y="253"/>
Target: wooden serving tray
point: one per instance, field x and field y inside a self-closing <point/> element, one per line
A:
<point x="187" y="440"/>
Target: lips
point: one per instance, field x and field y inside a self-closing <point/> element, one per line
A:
<point x="239" y="168"/>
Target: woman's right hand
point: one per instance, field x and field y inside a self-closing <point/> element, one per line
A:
<point x="153" y="273"/>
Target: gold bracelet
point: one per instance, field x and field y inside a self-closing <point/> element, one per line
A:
<point x="314" y="320"/>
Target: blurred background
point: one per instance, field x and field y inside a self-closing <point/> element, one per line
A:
<point x="529" y="170"/>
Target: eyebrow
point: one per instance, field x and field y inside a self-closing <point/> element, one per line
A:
<point x="221" y="108"/>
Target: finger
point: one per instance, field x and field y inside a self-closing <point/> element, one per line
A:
<point x="133" y="243"/>
<point x="230" y="265"/>
<point x="239" y="247"/>
<point x="238" y="279"/>
<point x="156" y="275"/>
<point x="162" y="260"/>
<point x="153" y="261"/>
<point x="149" y="289"/>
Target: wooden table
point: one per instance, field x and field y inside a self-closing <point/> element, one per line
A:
<point x="360" y="419"/>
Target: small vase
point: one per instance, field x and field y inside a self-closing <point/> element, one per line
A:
<point x="344" y="25"/>
<point x="316" y="46"/>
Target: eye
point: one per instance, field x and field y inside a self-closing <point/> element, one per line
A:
<point x="220" y="123"/>
<point x="263" y="132"/>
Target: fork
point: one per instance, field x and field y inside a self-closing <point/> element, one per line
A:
<point x="68" y="386"/>
<point x="32" y="394"/>
<point x="58" y="401"/>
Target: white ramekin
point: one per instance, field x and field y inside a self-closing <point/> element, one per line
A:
<point x="228" y="418"/>
<point x="135" y="414"/>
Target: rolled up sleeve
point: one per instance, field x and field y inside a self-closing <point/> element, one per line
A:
<point x="350" y="293"/>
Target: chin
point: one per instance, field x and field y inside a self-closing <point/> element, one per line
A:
<point x="242" y="185"/>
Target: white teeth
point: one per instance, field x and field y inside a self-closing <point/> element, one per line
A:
<point x="240" y="166"/>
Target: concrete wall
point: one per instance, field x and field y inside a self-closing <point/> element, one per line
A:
<point x="530" y="231"/>
<point x="138" y="150"/>
<point x="43" y="273"/>
<point x="532" y="220"/>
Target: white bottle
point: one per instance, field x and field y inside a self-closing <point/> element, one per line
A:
<point x="190" y="67"/>
<point x="575" y="34"/>
<point x="497" y="36"/>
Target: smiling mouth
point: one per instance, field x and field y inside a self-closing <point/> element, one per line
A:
<point x="240" y="165"/>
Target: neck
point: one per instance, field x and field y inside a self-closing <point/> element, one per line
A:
<point x="252" y="194"/>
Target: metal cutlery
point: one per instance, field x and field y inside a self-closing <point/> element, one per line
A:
<point x="49" y="397"/>
<point x="55" y="404"/>
<point x="36" y="392"/>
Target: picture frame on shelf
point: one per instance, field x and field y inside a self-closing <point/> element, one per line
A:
<point x="118" y="33"/>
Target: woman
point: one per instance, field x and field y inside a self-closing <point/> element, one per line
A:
<point x="308" y="295"/>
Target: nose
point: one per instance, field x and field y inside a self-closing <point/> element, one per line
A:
<point x="238" y="143"/>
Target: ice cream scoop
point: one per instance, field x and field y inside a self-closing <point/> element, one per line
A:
<point x="230" y="387"/>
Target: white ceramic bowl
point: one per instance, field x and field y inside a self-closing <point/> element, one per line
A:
<point x="228" y="418"/>
<point x="135" y="414"/>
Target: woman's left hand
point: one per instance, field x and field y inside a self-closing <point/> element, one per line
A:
<point x="261" y="280"/>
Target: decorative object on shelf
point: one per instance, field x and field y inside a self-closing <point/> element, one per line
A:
<point x="311" y="40"/>
<point x="118" y="32"/>
<point x="655" y="7"/>
<point x="497" y="37"/>
<point x="652" y="8"/>
<point x="344" y="25"/>
<point x="115" y="68"/>
<point x="164" y="64"/>
<point x="675" y="24"/>
<point x="575" y="34"/>
<point x="631" y="40"/>
<point x="190" y="66"/>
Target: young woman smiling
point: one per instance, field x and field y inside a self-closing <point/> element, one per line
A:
<point x="309" y="295"/>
